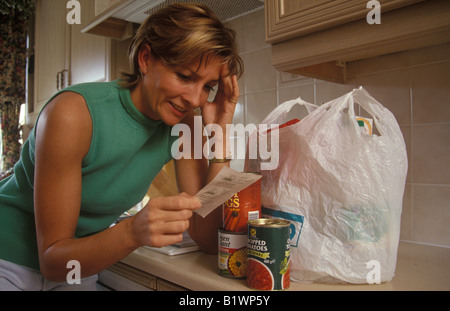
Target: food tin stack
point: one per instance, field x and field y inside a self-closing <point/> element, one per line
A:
<point x="232" y="238"/>
<point x="252" y="247"/>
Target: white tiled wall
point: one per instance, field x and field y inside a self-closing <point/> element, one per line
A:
<point x="414" y="85"/>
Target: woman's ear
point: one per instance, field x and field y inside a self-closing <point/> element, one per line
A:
<point x="144" y="58"/>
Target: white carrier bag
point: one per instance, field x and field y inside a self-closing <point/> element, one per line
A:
<point x="341" y="188"/>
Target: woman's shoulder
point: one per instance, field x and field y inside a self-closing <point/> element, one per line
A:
<point x="67" y="108"/>
<point x="66" y="121"/>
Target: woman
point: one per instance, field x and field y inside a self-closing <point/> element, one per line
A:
<point x="96" y="147"/>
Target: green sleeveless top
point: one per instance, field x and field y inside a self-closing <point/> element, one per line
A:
<point x="127" y="151"/>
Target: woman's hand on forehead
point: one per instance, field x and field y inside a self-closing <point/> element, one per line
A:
<point x="221" y="110"/>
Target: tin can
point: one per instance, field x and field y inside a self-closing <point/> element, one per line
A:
<point x="268" y="254"/>
<point x="242" y="207"/>
<point x="232" y="255"/>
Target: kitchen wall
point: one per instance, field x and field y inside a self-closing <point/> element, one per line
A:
<point x="414" y="85"/>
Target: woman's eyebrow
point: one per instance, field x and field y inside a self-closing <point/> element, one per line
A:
<point x="214" y="81"/>
<point x="197" y="76"/>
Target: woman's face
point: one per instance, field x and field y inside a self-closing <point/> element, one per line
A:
<point x="169" y="94"/>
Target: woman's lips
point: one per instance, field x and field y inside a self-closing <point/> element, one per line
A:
<point x="178" y="110"/>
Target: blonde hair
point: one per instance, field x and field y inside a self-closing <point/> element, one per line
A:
<point x="181" y="34"/>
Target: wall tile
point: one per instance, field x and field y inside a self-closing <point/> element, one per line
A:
<point x="237" y="25"/>
<point x="407" y="136"/>
<point x="392" y="90"/>
<point x="326" y="91"/>
<point x="431" y="154"/>
<point x="431" y="214"/>
<point x="259" y="105"/>
<point x="260" y="74"/>
<point x="406" y="218"/>
<point x="239" y="112"/>
<point x="305" y="92"/>
<point x="431" y="93"/>
<point x="241" y="81"/>
<point x="254" y="31"/>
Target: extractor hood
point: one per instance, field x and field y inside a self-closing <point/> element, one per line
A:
<point x="115" y="21"/>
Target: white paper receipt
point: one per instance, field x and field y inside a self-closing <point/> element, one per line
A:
<point x="223" y="187"/>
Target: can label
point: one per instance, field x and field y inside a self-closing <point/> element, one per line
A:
<point x="242" y="207"/>
<point x="232" y="256"/>
<point x="268" y="254"/>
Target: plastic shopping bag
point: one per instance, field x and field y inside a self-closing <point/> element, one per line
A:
<point x="341" y="188"/>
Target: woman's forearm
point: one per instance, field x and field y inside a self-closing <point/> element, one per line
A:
<point x="161" y="222"/>
<point x="94" y="253"/>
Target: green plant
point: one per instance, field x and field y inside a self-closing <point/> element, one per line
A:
<point x="21" y="8"/>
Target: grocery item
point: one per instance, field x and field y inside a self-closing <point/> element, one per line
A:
<point x="366" y="124"/>
<point x="232" y="257"/>
<point x="268" y="254"/>
<point x="242" y="207"/>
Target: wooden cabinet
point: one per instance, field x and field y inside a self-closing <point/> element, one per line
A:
<point x="317" y="38"/>
<point x="52" y="50"/>
<point x="64" y="55"/>
<point x="122" y="277"/>
<point x="90" y="54"/>
<point x="288" y="19"/>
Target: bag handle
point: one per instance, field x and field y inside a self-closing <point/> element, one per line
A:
<point x="278" y="115"/>
<point x="382" y="117"/>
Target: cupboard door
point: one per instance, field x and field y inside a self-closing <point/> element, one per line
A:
<point x="89" y="54"/>
<point x="52" y="41"/>
<point x="62" y="51"/>
<point x="286" y="19"/>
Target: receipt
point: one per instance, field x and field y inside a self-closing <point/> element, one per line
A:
<point x="222" y="187"/>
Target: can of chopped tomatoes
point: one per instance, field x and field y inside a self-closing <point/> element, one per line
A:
<point x="268" y="254"/>
<point x="232" y="255"/>
<point x="242" y="207"/>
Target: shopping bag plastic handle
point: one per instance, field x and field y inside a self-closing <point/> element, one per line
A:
<point x="383" y="118"/>
<point x="278" y="115"/>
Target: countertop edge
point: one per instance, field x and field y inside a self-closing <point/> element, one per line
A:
<point x="419" y="267"/>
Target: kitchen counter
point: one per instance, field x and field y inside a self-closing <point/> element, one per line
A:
<point x="419" y="267"/>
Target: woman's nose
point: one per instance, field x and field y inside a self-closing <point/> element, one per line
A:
<point x="196" y="96"/>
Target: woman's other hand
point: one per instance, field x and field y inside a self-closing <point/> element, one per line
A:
<point x="164" y="219"/>
<point x="221" y="110"/>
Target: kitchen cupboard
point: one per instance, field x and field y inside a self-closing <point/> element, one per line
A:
<point x="317" y="38"/>
<point x="122" y="277"/>
<point x="288" y="19"/>
<point x="63" y="54"/>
